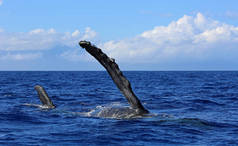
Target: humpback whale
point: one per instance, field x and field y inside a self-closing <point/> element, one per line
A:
<point x="119" y="79"/>
<point x="136" y="109"/>
<point x="44" y="98"/>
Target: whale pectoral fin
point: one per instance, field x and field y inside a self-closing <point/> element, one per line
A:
<point x="119" y="79"/>
<point x="44" y="98"/>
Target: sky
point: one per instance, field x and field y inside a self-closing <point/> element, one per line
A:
<point x="148" y="35"/>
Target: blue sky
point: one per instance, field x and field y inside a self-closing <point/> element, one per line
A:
<point x="140" y="35"/>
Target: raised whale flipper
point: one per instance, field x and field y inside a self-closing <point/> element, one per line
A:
<point x="44" y="98"/>
<point x="112" y="68"/>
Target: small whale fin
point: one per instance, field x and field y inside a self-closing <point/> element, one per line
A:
<point x="119" y="79"/>
<point x="44" y="98"/>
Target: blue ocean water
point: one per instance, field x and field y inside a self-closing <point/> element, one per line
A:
<point x="190" y="108"/>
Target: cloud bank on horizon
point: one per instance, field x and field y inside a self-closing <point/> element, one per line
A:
<point x="190" y="41"/>
<point x="30" y="45"/>
<point x="190" y="38"/>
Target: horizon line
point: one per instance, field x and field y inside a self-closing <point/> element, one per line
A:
<point x="122" y="70"/>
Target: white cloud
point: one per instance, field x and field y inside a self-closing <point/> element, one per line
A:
<point x="75" y="55"/>
<point x="37" y="31"/>
<point x="41" y="39"/>
<point x="188" y="38"/>
<point x="20" y="57"/>
<point x="0" y="2"/>
<point x="75" y="33"/>
<point x="89" y="33"/>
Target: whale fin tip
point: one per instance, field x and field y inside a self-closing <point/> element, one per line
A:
<point x="44" y="98"/>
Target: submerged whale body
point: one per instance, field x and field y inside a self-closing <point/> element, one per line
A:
<point x="119" y="113"/>
<point x="136" y="109"/>
<point x="115" y="111"/>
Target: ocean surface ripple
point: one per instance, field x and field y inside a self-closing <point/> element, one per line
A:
<point x="188" y="108"/>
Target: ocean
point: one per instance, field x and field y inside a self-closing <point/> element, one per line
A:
<point x="188" y="108"/>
